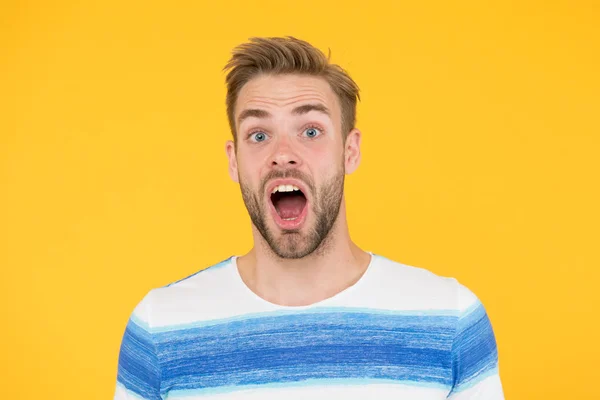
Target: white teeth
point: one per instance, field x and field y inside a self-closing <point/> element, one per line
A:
<point x="285" y="188"/>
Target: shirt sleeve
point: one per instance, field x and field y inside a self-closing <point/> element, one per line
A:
<point x="138" y="373"/>
<point x="474" y="354"/>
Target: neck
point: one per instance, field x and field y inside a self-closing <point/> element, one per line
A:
<point x="335" y="266"/>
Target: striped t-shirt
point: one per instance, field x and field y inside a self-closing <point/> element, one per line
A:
<point x="400" y="332"/>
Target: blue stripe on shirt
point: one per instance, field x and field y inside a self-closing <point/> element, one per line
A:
<point x="290" y="349"/>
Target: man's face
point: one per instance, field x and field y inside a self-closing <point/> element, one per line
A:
<point x="288" y="138"/>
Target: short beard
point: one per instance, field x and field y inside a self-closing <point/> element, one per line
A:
<point x="325" y="206"/>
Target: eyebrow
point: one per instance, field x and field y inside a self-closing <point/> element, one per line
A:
<point x="253" y="112"/>
<point x="300" y="110"/>
<point x="306" y="108"/>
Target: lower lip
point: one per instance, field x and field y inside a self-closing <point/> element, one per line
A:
<point x="292" y="223"/>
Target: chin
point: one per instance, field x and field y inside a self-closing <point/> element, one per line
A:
<point x="294" y="245"/>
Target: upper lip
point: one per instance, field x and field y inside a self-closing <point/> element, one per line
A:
<point x="294" y="182"/>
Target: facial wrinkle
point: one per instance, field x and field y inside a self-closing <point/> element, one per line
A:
<point x="286" y="101"/>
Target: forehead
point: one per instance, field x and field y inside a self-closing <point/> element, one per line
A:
<point x="285" y="91"/>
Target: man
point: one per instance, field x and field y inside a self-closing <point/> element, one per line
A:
<point x="305" y="314"/>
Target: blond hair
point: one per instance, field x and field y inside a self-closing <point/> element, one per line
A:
<point x="288" y="55"/>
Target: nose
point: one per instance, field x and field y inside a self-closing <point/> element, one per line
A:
<point x="284" y="155"/>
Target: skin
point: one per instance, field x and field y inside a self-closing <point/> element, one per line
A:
<point x="319" y="260"/>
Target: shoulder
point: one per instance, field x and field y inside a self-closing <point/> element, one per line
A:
<point x="186" y="299"/>
<point x="418" y="288"/>
<point x="202" y="277"/>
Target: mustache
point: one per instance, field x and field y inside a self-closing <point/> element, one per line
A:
<point x="286" y="174"/>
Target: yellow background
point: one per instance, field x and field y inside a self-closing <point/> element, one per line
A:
<point x="481" y="138"/>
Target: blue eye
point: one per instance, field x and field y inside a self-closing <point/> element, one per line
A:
<point x="259" y="136"/>
<point x="312" y="132"/>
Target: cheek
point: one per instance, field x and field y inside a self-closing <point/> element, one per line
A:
<point x="326" y="157"/>
<point x="249" y="172"/>
<point x="325" y="169"/>
<point x="252" y="159"/>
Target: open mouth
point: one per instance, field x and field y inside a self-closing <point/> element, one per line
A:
<point x="289" y="203"/>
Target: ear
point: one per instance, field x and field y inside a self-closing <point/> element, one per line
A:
<point x="232" y="157"/>
<point x="352" y="151"/>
